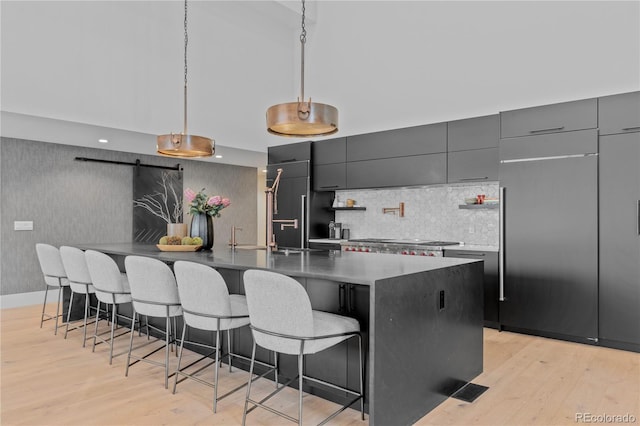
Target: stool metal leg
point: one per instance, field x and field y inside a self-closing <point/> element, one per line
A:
<point x="114" y="314"/>
<point x="300" y="377"/>
<point x="361" y="376"/>
<point x="228" y="346"/>
<point x="55" y="332"/>
<point x="246" y="400"/>
<point x="126" y="371"/>
<point x="184" y="331"/>
<point x="86" y="312"/>
<point x="69" y="315"/>
<point x="166" y="350"/>
<point x="44" y="304"/>
<point x="95" y="329"/>
<point x="215" y="380"/>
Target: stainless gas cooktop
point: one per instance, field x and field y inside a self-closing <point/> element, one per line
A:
<point x="412" y="242"/>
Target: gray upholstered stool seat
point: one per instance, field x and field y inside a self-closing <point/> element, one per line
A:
<point x="80" y="283"/>
<point x="282" y="321"/>
<point x="154" y="293"/>
<point x="112" y="289"/>
<point x="54" y="276"/>
<point x="207" y="305"/>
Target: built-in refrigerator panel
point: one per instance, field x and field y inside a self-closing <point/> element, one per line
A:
<point x="550" y="234"/>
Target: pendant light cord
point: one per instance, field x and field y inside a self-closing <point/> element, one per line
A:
<point x="186" y="42"/>
<point x="303" y="109"/>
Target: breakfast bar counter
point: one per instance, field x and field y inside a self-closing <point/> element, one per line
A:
<point x="421" y="319"/>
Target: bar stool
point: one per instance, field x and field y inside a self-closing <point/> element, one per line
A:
<point x="54" y="276"/>
<point x="80" y="283"/>
<point x="207" y="305"/>
<point x="282" y="321"/>
<point x="154" y="293"/>
<point x="112" y="289"/>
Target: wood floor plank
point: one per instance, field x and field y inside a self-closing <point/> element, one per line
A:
<point x="46" y="380"/>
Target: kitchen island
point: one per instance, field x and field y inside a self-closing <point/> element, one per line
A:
<point x="421" y="319"/>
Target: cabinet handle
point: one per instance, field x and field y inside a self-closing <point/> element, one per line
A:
<point x="626" y="129"/>
<point x="341" y="296"/>
<point x="303" y="225"/>
<point x="330" y="186"/>
<point x="638" y="214"/>
<point x="470" y="254"/>
<point x="547" y="130"/>
<point x="502" y="297"/>
<point x="352" y="299"/>
<point x="475" y="178"/>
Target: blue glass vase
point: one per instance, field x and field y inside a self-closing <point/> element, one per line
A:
<point x="202" y="226"/>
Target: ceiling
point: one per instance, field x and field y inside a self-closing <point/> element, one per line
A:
<point x="73" y="71"/>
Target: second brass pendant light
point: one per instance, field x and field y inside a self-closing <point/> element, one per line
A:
<point x="302" y="118"/>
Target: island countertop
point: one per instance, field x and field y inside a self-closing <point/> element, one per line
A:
<point x="354" y="268"/>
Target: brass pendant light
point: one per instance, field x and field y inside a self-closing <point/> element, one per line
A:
<point x="183" y="144"/>
<point x="302" y="119"/>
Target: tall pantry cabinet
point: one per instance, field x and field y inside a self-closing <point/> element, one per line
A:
<point x="619" y="221"/>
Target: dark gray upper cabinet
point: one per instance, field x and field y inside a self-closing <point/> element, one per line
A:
<point x="329" y="177"/>
<point x="473" y="133"/>
<point x="478" y="165"/>
<point x="401" y="171"/>
<point x="398" y="143"/>
<point x="329" y="151"/>
<point x="563" y="117"/>
<point x="619" y="113"/>
<point x="290" y="152"/>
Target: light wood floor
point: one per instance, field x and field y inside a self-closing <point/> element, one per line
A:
<point x="46" y="380"/>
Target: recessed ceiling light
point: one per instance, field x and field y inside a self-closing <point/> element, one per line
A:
<point x="218" y="156"/>
<point x="103" y="140"/>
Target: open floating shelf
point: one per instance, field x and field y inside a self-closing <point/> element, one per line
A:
<point x="478" y="206"/>
<point x="348" y="208"/>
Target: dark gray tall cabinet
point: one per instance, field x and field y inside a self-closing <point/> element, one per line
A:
<point x="548" y="172"/>
<point x="619" y="221"/>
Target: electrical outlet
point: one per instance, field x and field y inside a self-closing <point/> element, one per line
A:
<point x="23" y="225"/>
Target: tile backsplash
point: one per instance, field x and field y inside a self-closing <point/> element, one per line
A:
<point x="429" y="213"/>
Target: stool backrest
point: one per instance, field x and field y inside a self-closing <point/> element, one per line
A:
<point x="106" y="277"/>
<point x="203" y="291"/>
<point x="76" y="266"/>
<point x="153" y="286"/>
<point x="50" y="263"/>
<point x="279" y="304"/>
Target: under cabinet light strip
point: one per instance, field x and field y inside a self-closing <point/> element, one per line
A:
<point x="557" y="157"/>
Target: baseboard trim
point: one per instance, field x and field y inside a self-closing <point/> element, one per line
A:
<point x="18" y="300"/>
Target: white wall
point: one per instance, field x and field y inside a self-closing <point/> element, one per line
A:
<point x="392" y="64"/>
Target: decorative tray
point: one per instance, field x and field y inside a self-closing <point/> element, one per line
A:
<point x="168" y="247"/>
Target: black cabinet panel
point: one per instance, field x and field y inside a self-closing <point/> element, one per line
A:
<point x="619" y="222"/>
<point x="551" y="246"/>
<point x="290" y="152"/>
<point x="619" y="113"/>
<point x="397" y="143"/>
<point x="330" y="151"/>
<point x="563" y="117"/>
<point x="473" y="133"/>
<point x="491" y="282"/>
<point x="479" y="165"/>
<point x="402" y="171"/>
<point x="329" y="177"/>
